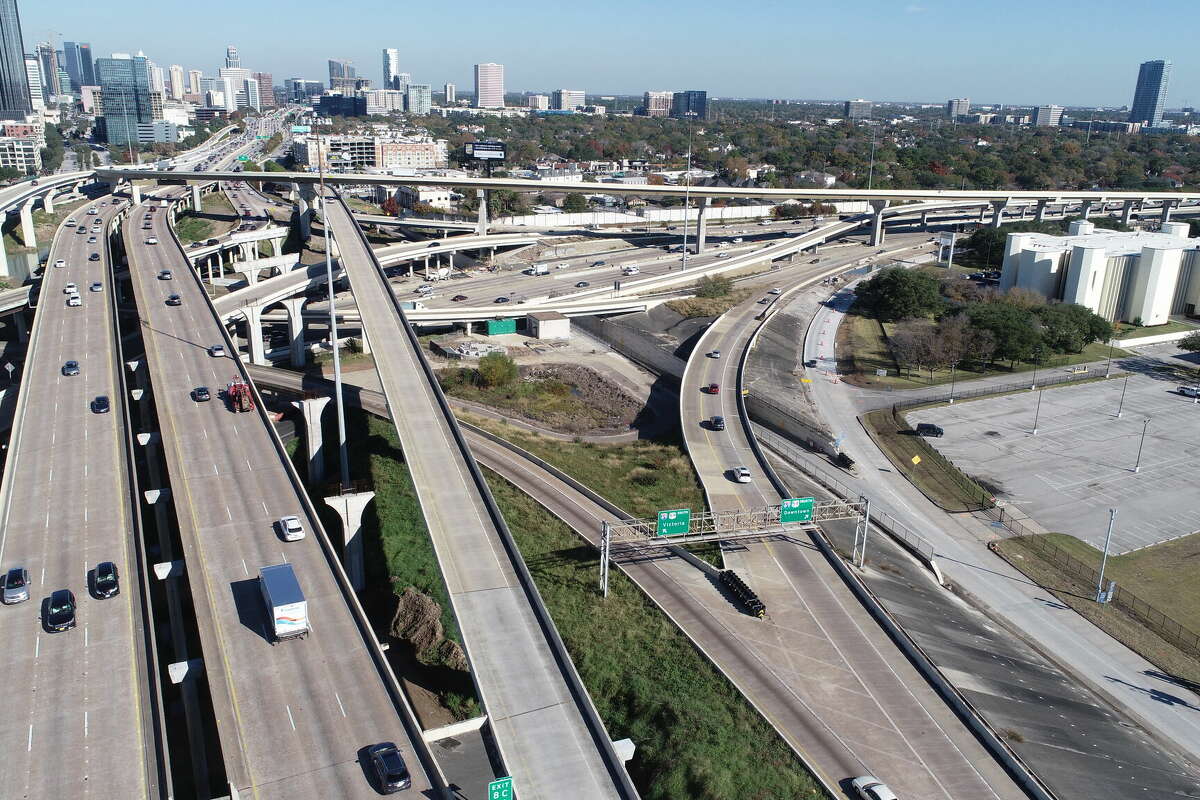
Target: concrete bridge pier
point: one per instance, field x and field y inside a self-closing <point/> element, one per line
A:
<point x="254" y="332"/>
<point x="295" y="309"/>
<point x="877" y="222"/>
<point x="48" y="202"/>
<point x="4" y="273"/>
<point x="314" y="445"/>
<point x="701" y="227"/>
<point x="136" y="191"/>
<point x="1042" y="205"/>
<point x="1085" y="208"/>
<point x="1167" y="205"/>
<point x="1127" y="212"/>
<point x="196" y="203"/>
<point x="28" y="233"/>
<point x="481" y="225"/>
<point x="998" y="207"/>
<point x="350" y="508"/>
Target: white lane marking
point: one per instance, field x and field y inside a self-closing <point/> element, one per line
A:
<point x="44" y="569"/>
<point x="85" y="723"/>
<point x="205" y="432"/>
<point x="289" y="710"/>
<point x="228" y="514"/>
<point x="265" y="511"/>
<point x="37" y="646"/>
<point x="248" y="465"/>
<point x="283" y="556"/>
<point x="339" y="702"/>
<point x="85" y="636"/>
<point x="29" y="743"/>
<point x="244" y="567"/>
<point x="85" y="514"/>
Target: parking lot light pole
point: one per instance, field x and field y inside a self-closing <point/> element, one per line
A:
<point x="1121" y="405"/>
<point x="1112" y="516"/>
<point x="953" y="368"/>
<point x="1038" y="412"/>
<point x="1137" y="466"/>
<point x="1108" y="368"/>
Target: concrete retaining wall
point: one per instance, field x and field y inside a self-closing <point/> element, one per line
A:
<point x="633" y="346"/>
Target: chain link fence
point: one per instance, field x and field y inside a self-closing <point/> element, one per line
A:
<point x="1034" y="381"/>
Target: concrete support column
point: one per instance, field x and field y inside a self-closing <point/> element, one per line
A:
<point x="364" y="341"/>
<point x="27" y="230"/>
<point x="1166" y="211"/>
<point x="1042" y="205"/>
<point x="924" y="220"/>
<point x="1127" y="212"/>
<point x="481" y="224"/>
<point x="998" y="207"/>
<point x="295" y="308"/>
<point x="983" y="210"/>
<point x="1086" y="208"/>
<point x="304" y="194"/>
<point x="251" y="277"/>
<point x="314" y="444"/>
<point x="137" y="193"/>
<point x="277" y="246"/>
<point x="196" y="204"/>
<point x="254" y="334"/>
<point x="701" y="208"/>
<point x="4" y="273"/>
<point x="350" y="508"/>
<point x="248" y="251"/>
<point x="21" y="326"/>
<point x="877" y="222"/>
<point x="48" y="201"/>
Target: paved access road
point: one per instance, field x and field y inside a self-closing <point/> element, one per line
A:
<point x="864" y="707"/>
<point x="76" y="710"/>
<point x="539" y="727"/>
<point x="293" y="716"/>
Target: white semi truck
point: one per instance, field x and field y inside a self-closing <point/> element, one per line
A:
<point x="285" y="601"/>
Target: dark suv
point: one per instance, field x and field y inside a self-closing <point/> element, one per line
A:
<point x="105" y="582"/>
<point x="389" y="768"/>
<point x="717" y="423"/>
<point x="929" y="429"/>
<point x="60" y="610"/>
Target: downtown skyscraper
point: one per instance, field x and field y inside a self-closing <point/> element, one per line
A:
<point x="489" y="85"/>
<point x="14" y="86"/>
<point x="1150" y="95"/>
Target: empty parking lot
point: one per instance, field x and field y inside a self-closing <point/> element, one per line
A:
<point x="1082" y="460"/>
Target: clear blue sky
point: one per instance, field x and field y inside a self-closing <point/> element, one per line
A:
<point x="1016" y="52"/>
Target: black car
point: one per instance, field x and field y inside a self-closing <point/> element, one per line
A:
<point x="174" y="300"/>
<point x="389" y="768"/>
<point x="201" y="394"/>
<point x="929" y="429"/>
<point x="717" y="423"/>
<point x="70" y="368"/>
<point x="94" y="257"/>
<point x="501" y="299"/>
<point x="60" y="610"/>
<point x="105" y="582"/>
<point x="101" y="405"/>
<point x="582" y="285"/>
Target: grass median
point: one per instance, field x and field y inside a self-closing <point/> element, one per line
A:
<point x="696" y="736"/>
<point x="1159" y="575"/>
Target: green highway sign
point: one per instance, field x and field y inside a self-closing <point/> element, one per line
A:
<point x="243" y="158"/>
<point x="673" y="522"/>
<point x="796" y="509"/>
<point x="500" y="790"/>
<point x="262" y="137"/>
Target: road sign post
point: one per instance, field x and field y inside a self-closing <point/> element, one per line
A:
<point x="501" y="789"/>
<point x="673" y="522"/>
<point x="796" y="509"/>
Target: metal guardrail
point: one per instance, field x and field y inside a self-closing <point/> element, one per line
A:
<point x="558" y="648"/>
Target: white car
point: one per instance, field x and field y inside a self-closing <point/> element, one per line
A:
<point x="73" y="301"/>
<point x="869" y="787"/>
<point x="96" y="287"/>
<point x="714" y="354"/>
<point x="217" y="351"/>
<point x="741" y="474"/>
<point x="1190" y="391"/>
<point x="290" y="529"/>
<point x="70" y="288"/>
<point x="775" y="291"/>
<point x="60" y="263"/>
<point x="152" y="240"/>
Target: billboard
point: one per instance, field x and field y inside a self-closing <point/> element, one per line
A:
<point x="485" y="151"/>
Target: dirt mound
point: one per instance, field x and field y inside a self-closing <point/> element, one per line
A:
<point x="418" y="621"/>
<point x="609" y="407"/>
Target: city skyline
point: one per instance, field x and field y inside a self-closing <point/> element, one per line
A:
<point x="957" y="67"/>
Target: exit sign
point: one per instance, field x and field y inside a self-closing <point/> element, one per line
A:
<point x="501" y="789"/>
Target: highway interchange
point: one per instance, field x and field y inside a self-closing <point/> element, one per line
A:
<point x="290" y="721"/>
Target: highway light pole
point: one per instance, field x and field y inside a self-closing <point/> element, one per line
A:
<point x="687" y="196"/>
<point x="1112" y="516"/>
<point x="343" y="454"/>
<point x="1121" y="405"/>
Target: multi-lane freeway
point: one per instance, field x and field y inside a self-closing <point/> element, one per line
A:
<point x="78" y="716"/>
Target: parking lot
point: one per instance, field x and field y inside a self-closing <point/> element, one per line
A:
<point x="1082" y="460"/>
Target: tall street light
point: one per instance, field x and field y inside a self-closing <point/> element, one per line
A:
<point x="333" y="329"/>
<point x="1038" y="412"/>
<point x="1112" y="517"/>
<point x="1121" y="405"/>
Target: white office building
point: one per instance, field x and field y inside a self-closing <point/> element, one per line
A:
<point x="177" y="87"/>
<point x="1129" y="277"/>
<point x="538" y="102"/>
<point x="449" y="91"/>
<point x="241" y="80"/>
<point x="419" y="99"/>
<point x="193" y="77"/>
<point x="391" y="68"/>
<point x="489" y="85"/>
<point x="33" y="74"/>
<point x="567" y="99"/>
<point x="384" y="101"/>
<point x="1048" y="116"/>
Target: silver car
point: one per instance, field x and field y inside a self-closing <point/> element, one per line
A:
<point x="16" y="585"/>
